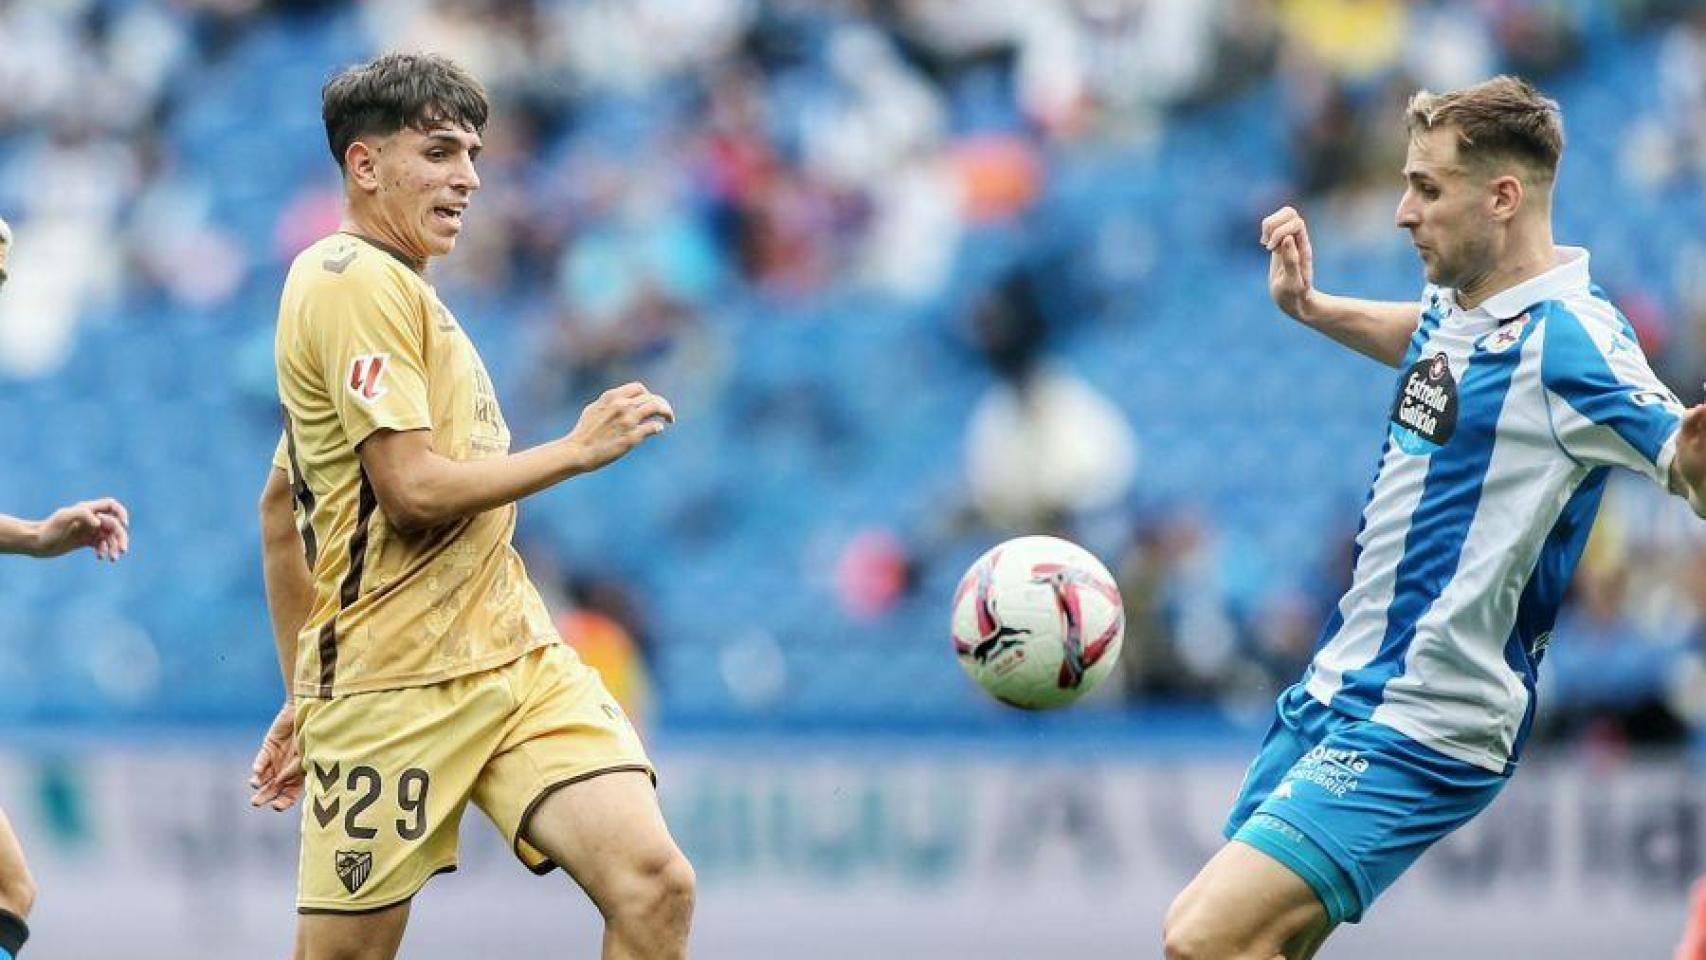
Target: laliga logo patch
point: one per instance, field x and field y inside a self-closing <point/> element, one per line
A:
<point x="1424" y="414"/>
<point x="365" y="375"/>
<point x="353" y="867"/>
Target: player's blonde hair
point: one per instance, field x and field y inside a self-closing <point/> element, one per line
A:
<point x="1504" y="118"/>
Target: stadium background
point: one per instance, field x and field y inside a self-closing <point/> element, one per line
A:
<point x="917" y="275"/>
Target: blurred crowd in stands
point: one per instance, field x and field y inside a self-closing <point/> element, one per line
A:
<point x="652" y="162"/>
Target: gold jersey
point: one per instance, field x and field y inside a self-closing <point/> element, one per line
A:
<point x="363" y="345"/>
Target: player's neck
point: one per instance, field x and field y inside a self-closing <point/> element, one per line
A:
<point x="1528" y="257"/>
<point x="372" y="230"/>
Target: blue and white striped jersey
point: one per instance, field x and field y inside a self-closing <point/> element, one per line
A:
<point x="1505" y="422"/>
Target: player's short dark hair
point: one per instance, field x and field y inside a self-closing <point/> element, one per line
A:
<point x="418" y="90"/>
<point x="1504" y="118"/>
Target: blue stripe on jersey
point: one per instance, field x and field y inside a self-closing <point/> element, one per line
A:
<point x="1573" y="368"/>
<point x="1537" y="611"/>
<point x="1451" y="493"/>
<point x="1431" y="319"/>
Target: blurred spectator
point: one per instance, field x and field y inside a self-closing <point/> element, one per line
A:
<point x="600" y="622"/>
<point x="1042" y="443"/>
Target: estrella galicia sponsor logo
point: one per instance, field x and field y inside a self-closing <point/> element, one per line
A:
<point x="353" y="867"/>
<point x="1424" y="414"/>
<point x="1334" y="770"/>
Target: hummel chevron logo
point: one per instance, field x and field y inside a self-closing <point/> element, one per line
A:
<point x="324" y="814"/>
<point x="327" y="778"/>
<point x="339" y="264"/>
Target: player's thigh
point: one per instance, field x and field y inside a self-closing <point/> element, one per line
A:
<point x="608" y="833"/>
<point x="1306" y="944"/>
<point x="1244" y="902"/>
<point x="358" y="936"/>
<point x="567" y="730"/>
<point x="388" y="776"/>
<point x="17" y="887"/>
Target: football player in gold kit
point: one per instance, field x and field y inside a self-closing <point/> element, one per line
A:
<point x="103" y="526"/>
<point x="423" y="670"/>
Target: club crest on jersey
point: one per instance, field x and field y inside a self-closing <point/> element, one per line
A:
<point x="1424" y="414"/>
<point x="367" y="376"/>
<point x="353" y="867"/>
<point x="1507" y="336"/>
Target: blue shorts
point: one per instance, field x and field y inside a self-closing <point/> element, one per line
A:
<point x="1349" y="804"/>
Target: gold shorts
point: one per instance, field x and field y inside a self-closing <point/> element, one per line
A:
<point x="389" y="773"/>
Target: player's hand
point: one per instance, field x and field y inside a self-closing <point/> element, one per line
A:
<point x="618" y="421"/>
<point x="1691" y="455"/>
<point x="277" y="775"/>
<point x="1291" y="264"/>
<point x="102" y="525"/>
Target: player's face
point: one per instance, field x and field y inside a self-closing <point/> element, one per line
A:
<point x="1447" y="210"/>
<point x="426" y="180"/>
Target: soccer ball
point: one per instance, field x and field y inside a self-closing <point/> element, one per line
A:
<point x="1037" y="622"/>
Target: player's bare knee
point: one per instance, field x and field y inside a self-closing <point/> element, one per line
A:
<point x="1182" y="937"/>
<point x="659" y="888"/>
<point x="18" y="893"/>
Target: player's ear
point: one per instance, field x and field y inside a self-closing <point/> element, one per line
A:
<point x="361" y="164"/>
<point x="1505" y="197"/>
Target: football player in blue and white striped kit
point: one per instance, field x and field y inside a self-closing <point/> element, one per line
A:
<point x="1520" y="386"/>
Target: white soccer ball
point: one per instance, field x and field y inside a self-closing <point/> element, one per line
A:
<point x="1038" y="622"/>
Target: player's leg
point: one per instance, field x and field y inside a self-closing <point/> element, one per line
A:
<point x="388" y="775"/>
<point x="571" y="786"/>
<point x="1305" y="945"/>
<point x="359" y="936"/>
<point x="609" y="834"/>
<point x="1245" y="904"/>
<point x="17" y="892"/>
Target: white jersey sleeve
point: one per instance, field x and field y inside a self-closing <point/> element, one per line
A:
<point x="1607" y="406"/>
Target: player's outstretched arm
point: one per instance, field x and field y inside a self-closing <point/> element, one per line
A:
<point x="102" y="525"/>
<point x="1375" y="328"/>
<point x="276" y="775"/>
<point x="418" y="487"/>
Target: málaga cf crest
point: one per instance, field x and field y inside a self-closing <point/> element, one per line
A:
<point x="353" y="868"/>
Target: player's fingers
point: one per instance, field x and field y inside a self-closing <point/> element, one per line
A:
<point x="652" y="405"/>
<point x="118" y="535"/>
<point x="1273" y="220"/>
<point x="107" y="506"/>
<point x="666" y="409"/>
<point x="1291" y="261"/>
<point x="265" y="757"/>
<point x="265" y="792"/>
<point x="1279" y="233"/>
<point x="289" y="792"/>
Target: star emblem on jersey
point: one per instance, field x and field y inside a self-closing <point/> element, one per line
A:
<point x="353" y="867"/>
<point x="1424" y="414"/>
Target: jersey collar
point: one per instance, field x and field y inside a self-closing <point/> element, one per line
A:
<point x="418" y="266"/>
<point x="1569" y="275"/>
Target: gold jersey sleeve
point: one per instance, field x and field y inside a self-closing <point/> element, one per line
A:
<point x="364" y="344"/>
